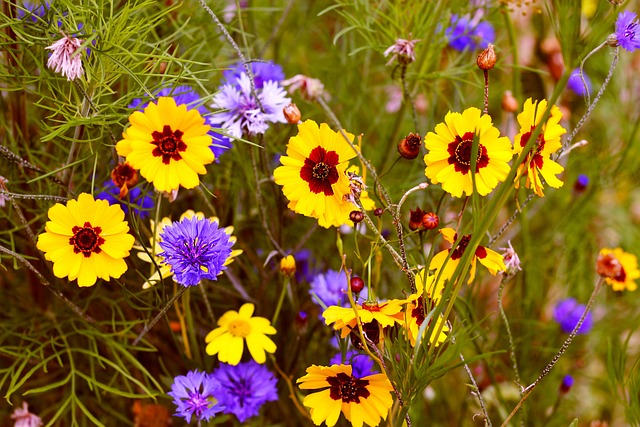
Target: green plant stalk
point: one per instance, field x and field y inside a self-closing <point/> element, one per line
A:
<point x="67" y="176"/>
<point x="283" y="292"/>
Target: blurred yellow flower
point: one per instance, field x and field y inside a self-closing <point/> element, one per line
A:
<point x="619" y="269"/>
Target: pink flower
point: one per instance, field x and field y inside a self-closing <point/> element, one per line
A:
<point x="310" y="88"/>
<point x="511" y="259"/>
<point x="64" y="59"/>
<point x="24" y="418"/>
<point x="402" y="51"/>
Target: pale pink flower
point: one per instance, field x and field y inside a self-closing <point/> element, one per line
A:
<point x="24" y="418"/>
<point x="402" y="51"/>
<point x="310" y="89"/>
<point x="511" y="259"/>
<point x="64" y="59"/>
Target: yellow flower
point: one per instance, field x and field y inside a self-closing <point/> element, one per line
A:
<point x="489" y="258"/>
<point x="168" y="144"/>
<point x="288" y="265"/>
<point x="619" y="268"/>
<point x="313" y="174"/>
<point x="415" y="309"/>
<point x="235" y="327"/>
<point x="364" y="400"/>
<point x="164" y="270"/>
<point x="386" y="313"/>
<point x="449" y="158"/>
<point x="548" y="142"/>
<point x="87" y="239"/>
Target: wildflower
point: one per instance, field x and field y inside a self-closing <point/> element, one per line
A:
<point x="304" y="270"/>
<point x="168" y="144"/>
<point x="415" y="218"/>
<point x="263" y="71"/>
<point x="65" y="58"/>
<point x="288" y="265"/>
<point x="449" y="158"/>
<point x="567" y="313"/>
<point x="234" y="327"/>
<point x="358" y="189"/>
<point x="627" y="32"/>
<point x="140" y="201"/>
<point x="3" y="187"/>
<point x="32" y="11"/>
<point x="196" y="249"/>
<point x="386" y="313"/>
<point x="243" y="113"/>
<point x="313" y="174"/>
<point x="619" y="269"/>
<point x="409" y="147"/>
<point x="362" y="400"/>
<point x="124" y="176"/>
<point x="511" y="259"/>
<point x="361" y="364"/>
<point x="566" y="384"/>
<point x="193" y="395"/>
<point x="469" y="34"/>
<point x="538" y="161"/>
<point x="87" y="239"/>
<point x="415" y="310"/>
<point x="576" y="85"/>
<point x="310" y="88"/>
<point x="330" y="288"/>
<point x="402" y="51"/>
<point x="509" y="102"/>
<point x="292" y="113"/>
<point x="487" y="257"/>
<point x="244" y="388"/>
<point x="430" y="220"/>
<point x="24" y="418"/>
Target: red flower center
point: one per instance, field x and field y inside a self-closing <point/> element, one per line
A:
<point x="168" y="144"/>
<point x="481" y="251"/>
<point x="460" y="154"/>
<point x="418" y="312"/>
<point x="348" y="388"/>
<point x="320" y="170"/>
<point x="538" y="160"/>
<point x="86" y="239"/>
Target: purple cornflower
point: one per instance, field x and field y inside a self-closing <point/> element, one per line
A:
<point x="402" y="51"/>
<point x="361" y="364"/>
<point x="568" y="312"/>
<point x="188" y="96"/>
<point x="467" y="34"/>
<point x="141" y="202"/>
<point x="195" y="249"/>
<point x="575" y="83"/>
<point x="262" y="72"/>
<point x="32" y="11"/>
<point x="193" y="394"/>
<point x="331" y="288"/>
<point x="64" y="59"/>
<point x="241" y="111"/>
<point x="627" y="32"/>
<point x="244" y="388"/>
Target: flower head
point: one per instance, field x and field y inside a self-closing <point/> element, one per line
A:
<point x="310" y="88"/>
<point x="362" y="400"/>
<point x="196" y="249"/>
<point x="168" y="143"/>
<point x="402" y="51"/>
<point x="469" y="34"/>
<point x="65" y="58"/>
<point x="387" y="313"/>
<point x="288" y="265"/>
<point x="331" y="288"/>
<point x="33" y="11"/>
<point x="236" y="327"/>
<point x="511" y="259"/>
<point x="430" y="292"/>
<point x="449" y="158"/>
<point x="244" y="388"/>
<point x="263" y="71"/>
<point x="140" y="201"/>
<point x="24" y="418"/>
<point x="87" y="239"/>
<point x="193" y="395"/>
<point x="627" y="32"/>
<point x="619" y="268"/>
<point x="538" y="162"/>
<point x="313" y="174"/>
<point x="568" y="312"/>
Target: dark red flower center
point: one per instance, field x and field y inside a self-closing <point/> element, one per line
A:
<point x="348" y="388"/>
<point x="168" y="144"/>
<point x="481" y="251"/>
<point x="320" y="170"/>
<point x="86" y="239"/>
<point x="621" y="276"/>
<point x="460" y="154"/>
<point x="538" y="160"/>
<point x="418" y="312"/>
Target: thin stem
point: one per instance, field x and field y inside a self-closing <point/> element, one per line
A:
<point x="8" y="154"/>
<point x="421" y="186"/>
<point x="511" y="219"/>
<point x="407" y="96"/>
<point x="285" y="284"/>
<point x="284" y="15"/>
<point x="207" y="304"/>
<point x="512" y="348"/>
<point x="67" y="175"/>
<point x="486" y="91"/>
<point x="33" y="196"/>
<point x="476" y="391"/>
<point x="584" y="82"/>
<point x="151" y="324"/>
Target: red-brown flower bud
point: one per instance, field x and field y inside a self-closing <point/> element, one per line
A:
<point x="487" y="59"/>
<point x="409" y="147"/>
<point x="430" y="220"/>
<point x="357" y="284"/>
<point x="415" y="219"/>
<point x="356" y="216"/>
<point x="124" y="176"/>
<point x="292" y="113"/>
<point x="378" y="211"/>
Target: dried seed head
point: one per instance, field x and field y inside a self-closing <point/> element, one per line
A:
<point x="487" y="59"/>
<point x="409" y="147"/>
<point x="292" y="113"/>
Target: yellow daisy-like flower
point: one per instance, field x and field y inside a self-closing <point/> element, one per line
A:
<point x="168" y="144"/>
<point x="164" y="270"/>
<point x="313" y="174"/>
<point x="538" y="161"/>
<point x="487" y="257"/>
<point x="449" y="158"/>
<point x="414" y="314"/>
<point x="87" y="239"/>
<point x="386" y="313"/>
<point x="619" y="268"/>
<point x="236" y="327"/>
<point x="364" y="400"/>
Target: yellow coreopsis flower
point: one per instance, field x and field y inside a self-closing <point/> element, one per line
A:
<point x="236" y="327"/>
<point x="619" y="269"/>
<point x="364" y="400"/>
<point x="168" y="143"/>
<point x="414" y="314"/>
<point x="386" y="313"/>
<point x="87" y="239"/>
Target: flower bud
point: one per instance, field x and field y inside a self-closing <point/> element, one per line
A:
<point x="356" y="216"/>
<point x="415" y="219"/>
<point x="378" y="211"/>
<point x="430" y="220"/>
<point x="509" y="102"/>
<point x="487" y="59"/>
<point x="608" y="265"/>
<point x="292" y="113"/>
<point x="124" y="176"/>
<point x="357" y="284"/>
<point x="288" y="265"/>
<point x="409" y="147"/>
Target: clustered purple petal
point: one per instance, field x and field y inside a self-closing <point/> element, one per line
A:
<point x="627" y="31"/>
<point x="331" y="288"/>
<point x="140" y="201"/>
<point x="195" y="249"/>
<point x="467" y="34"/>
<point x="193" y="394"/>
<point x="262" y="72"/>
<point x="32" y="11"/>
<point x="361" y="364"/>
<point x="576" y="85"/>
<point x="568" y="312"/>
<point x="244" y="388"/>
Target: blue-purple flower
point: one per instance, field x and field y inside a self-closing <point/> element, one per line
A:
<point x="581" y="184"/>
<point x="361" y="363"/>
<point x="244" y="388"/>
<point x="568" y="312"/>
<point x="32" y="11"/>
<point x="566" y="384"/>
<point x="195" y="249"/>
<point x="262" y="72"/>
<point x="469" y="34"/>
<point x="140" y="201"/>
<point x="576" y="85"/>
<point x="627" y="34"/>
<point x="331" y="288"/>
<point x="193" y="395"/>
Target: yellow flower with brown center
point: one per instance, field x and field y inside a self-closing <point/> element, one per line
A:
<point x="168" y="144"/>
<point x="538" y="162"/>
<point x="450" y="152"/>
<point x="619" y="268"/>
<point x="87" y="239"/>
<point x="385" y="313"/>
<point x="415" y="311"/>
<point x="236" y="327"/>
<point x="313" y="174"/>
<point x="365" y="400"/>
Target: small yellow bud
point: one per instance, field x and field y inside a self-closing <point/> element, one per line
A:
<point x="288" y="265"/>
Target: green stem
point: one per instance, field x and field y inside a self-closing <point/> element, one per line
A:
<point x="285" y="285"/>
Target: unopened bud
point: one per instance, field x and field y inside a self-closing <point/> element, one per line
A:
<point x="124" y="176"/>
<point x="612" y="40"/>
<point x="409" y="147"/>
<point x="430" y="221"/>
<point x="487" y="58"/>
<point x="415" y="219"/>
<point x="292" y="113"/>
<point x="378" y="211"/>
<point x="509" y="102"/>
<point x="356" y="216"/>
<point x="288" y="265"/>
<point x="357" y="284"/>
